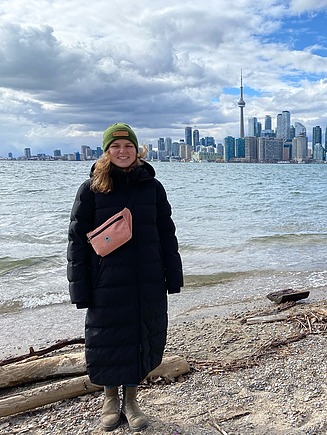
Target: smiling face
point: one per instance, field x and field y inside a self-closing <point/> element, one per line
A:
<point x="122" y="153"/>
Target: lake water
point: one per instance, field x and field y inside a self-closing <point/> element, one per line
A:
<point x="244" y="231"/>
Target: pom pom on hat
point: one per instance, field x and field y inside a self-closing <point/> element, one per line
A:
<point x="118" y="131"/>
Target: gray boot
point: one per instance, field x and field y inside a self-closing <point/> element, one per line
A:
<point x="135" y="417"/>
<point x="110" y="416"/>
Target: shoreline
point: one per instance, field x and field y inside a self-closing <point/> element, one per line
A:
<point x="241" y="381"/>
<point x="42" y="326"/>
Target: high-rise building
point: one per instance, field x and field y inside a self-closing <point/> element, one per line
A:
<point x="318" y="152"/>
<point x="241" y="105"/>
<point x="240" y="147"/>
<point x="220" y="150"/>
<point x="185" y="151"/>
<point x="196" y="139"/>
<point x="292" y="132"/>
<point x="175" y="149"/>
<point x="268" y="122"/>
<point x="251" y="148"/>
<point x="259" y="129"/>
<point x="162" y="153"/>
<point x="188" y="136"/>
<point x="161" y="144"/>
<point x="27" y="153"/>
<point x="229" y="148"/>
<point x="286" y="124"/>
<point x="253" y="126"/>
<point x="86" y="152"/>
<point x="168" y="145"/>
<point x="279" y="126"/>
<point x="150" y="154"/>
<point x="316" y="136"/>
<point x="209" y="141"/>
<point x="270" y="149"/>
<point x="300" y="148"/>
<point x="287" y="150"/>
<point x="283" y="125"/>
<point x="99" y="152"/>
<point x="300" y="129"/>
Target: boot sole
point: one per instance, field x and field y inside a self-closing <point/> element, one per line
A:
<point x="134" y="429"/>
<point x="112" y="427"/>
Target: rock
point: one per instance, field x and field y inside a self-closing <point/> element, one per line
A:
<point x="287" y="295"/>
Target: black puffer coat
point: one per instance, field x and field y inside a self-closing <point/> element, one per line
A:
<point x="126" y="291"/>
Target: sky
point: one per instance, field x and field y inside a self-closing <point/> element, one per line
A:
<point x="70" y="68"/>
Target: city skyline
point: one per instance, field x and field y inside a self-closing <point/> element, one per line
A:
<point x="286" y="143"/>
<point x="173" y="65"/>
<point x="283" y="130"/>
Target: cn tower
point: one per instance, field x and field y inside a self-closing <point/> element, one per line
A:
<point x="241" y="105"/>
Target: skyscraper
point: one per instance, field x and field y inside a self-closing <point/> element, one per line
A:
<point x="283" y="125"/>
<point x="300" y="148"/>
<point x="300" y="129"/>
<point x="268" y="122"/>
<point x="286" y="124"/>
<point x="240" y="148"/>
<point x="162" y="153"/>
<point x="317" y="147"/>
<point x="86" y="152"/>
<point x="253" y="127"/>
<point x="229" y="142"/>
<point x="27" y="153"/>
<point x="316" y="136"/>
<point x="168" y="145"/>
<point x="188" y="135"/>
<point x="270" y="149"/>
<point x="196" y="139"/>
<point x="251" y="149"/>
<point x="241" y="105"/>
<point x="279" y="125"/>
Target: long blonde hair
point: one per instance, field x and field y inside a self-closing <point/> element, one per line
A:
<point x="101" y="180"/>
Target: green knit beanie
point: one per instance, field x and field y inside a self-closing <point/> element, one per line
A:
<point x="118" y="131"/>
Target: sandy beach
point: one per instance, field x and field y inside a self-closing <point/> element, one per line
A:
<point x="245" y="378"/>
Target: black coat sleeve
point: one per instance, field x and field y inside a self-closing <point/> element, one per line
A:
<point x="79" y="250"/>
<point x="168" y="241"/>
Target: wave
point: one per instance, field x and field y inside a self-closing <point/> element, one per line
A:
<point x="291" y="239"/>
<point x="189" y="248"/>
<point x="32" y="302"/>
<point x="9" y="265"/>
<point x="47" y="237"/>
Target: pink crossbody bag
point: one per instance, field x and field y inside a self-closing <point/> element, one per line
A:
<point x="112" y="234"/>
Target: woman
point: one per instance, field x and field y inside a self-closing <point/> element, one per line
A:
<point x="126" y="291"/>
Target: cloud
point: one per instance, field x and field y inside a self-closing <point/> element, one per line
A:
<point x="69" y="69"/>
<point x="302" y="6"/>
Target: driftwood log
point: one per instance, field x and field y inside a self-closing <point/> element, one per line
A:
<point x="38" y="369"/>
<point x="171" y="367"/>
<point x="266" y="319"/>
<point x="44" y="395"/>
